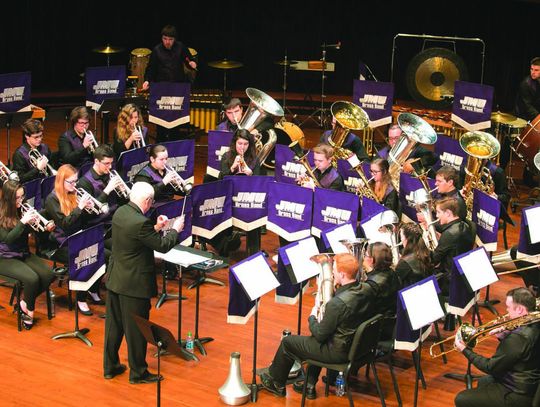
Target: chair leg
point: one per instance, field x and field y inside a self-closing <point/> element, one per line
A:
<point x="327" y="385"/>
<point x="378" y="384"/>
<point x="394" y="380"/>
<point x="50" y="304"/>
<point x="367" y="371"/>
<point x="304" y="388"/>
<point x="349" y="394"/>
<point x="12" y="295"/>
<point x="70" y="300"/>
<point x="17" y="291"/>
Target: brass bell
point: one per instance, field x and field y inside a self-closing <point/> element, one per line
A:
<point x="234" y="391"/>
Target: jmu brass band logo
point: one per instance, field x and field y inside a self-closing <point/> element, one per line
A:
<point x="453" y="160"/>
<point x="471" y="104"/>
<point x="170" y="103"/>
<point x="87" y="256"/>
<point x="212" y="206"/>
<point x="12" y="94"/>
<point x="292" y="210"/>
<point x="485" y="220"/>
<point x="373" y="101"/>
<point x="293" y="170"/>
<point x="336" y="216"/>
<point x="106" y="87"/>
<point x="219" y="153"/>
<point x="249" y="200"/>
<point x="135" y="170"/>
<point x="178" y="163"/>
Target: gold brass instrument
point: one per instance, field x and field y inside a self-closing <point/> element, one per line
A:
<point x="479" y="146"/>
<point x="139" y="143"/>
<point x="348" y="117"/>
<point x="471" y="335"/>
<point x="122" y="190"/>
<point x="363" y="189"/>
<point x="357" y="248"/>
<point x="94" y="144"/>
<point x="39" y="223"/>
<point x="241" y="163"/>
<point x="6" y="174"/>
<point x="414" y="130"/>
<point x="325" y="283"/>
<point x="389" y="223"/>
<point x="177" y="182"/>
<point x="97" y="207"/>
<point x="35" y="156"/>
<point x="302" y="158"/>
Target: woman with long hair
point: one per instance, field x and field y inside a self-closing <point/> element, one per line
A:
<point x="16" y="261"/>
<point x="126" y="133"/>
<point x="241" y="159"/>
<point x="381" y="185"/>
<point x="415" y="261"/>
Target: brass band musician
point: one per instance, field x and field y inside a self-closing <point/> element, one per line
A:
<point x="351" y="143"/>
<point x="74" y="145"/>
<point x="415" y="262"/>
<point x="325" y="174"/>
<point x="130" y="131"/>
<point x="381" y="185"/>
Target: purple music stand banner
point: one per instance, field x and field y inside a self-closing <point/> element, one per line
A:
<point x="212" y="208"/>
<point x="86" y="252"/>
<point x="287" y="168"/>
<point x="168" y="105"/>
<point x="351" y="179"/>
<point x="182" y="158"/>
<point x="471" y="108"/>
<point x="461" y="298"/>
<point x="407" y="185"/>
<point x="131" y="162"/>
<point x="288" y="291"/>
<point x="376" y="98"/>
<point x="32" y="190"/>
<point x="449" y="152"/>
<point x="218" y="144"/>
<point x="332" y="208"/>
<point x="103" y="83"/>
<point x="173" y="210"/>
<point x="249" y="201"/>
<point x="15" y="89"/>
<point x="486" y="213"/>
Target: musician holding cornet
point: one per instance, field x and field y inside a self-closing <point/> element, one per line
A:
<point x="130" y="131"/>
<point x="31" y="159"/>
<point x="75" y="146"/>
<point x="241" y="159"/>
<point x="513" y="372"/>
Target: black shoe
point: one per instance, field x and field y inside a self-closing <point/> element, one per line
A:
<point x="149" y="378"/>
<point x="87" y="313"/>
<point x="27" y="320"/>
<point x="99" y="302"/>
<point x="311" y="394"/>
<point x="268" y="383"/>
<point x="450" y="323"/>
<point x="116" y="371"/>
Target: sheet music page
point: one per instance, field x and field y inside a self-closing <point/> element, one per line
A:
<point x="478" y="269"/>
<point x="422" y="305"/>
<point x="180" y="257"/>
<point x="342" y="232"/>
<point x="299" y="255"/>
<point x="371" y="229"/>
<point x="533" y="220"/>
<point x="256" y="277"/>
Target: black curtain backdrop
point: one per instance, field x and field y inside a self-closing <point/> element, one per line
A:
<point x="54" y="39"/>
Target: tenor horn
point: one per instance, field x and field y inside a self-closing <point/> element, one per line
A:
<point x="389" y="222"/>
<point x="348" y="117"/>
<point x="424" y="204"/>
<point x="325" y="283"/>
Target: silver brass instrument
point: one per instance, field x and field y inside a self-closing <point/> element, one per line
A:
<point x="94" y="144"/>
<point x="357" y="248"/>
<point x="122" y="190"/>
<point x="348" y="117"/>
<point x="139" y="143"/>
<point x="424" y="205"/>
<point x="177" y="182"/>
<point x="414" y="130"/>
<point x="260" y="106"/>
<point x="35" y="156"/>
<point x="389" y="223"/>
<point x="234" y="391"/>
<point x="97" y="207"/>
<point x="325" y="283"/>
<point x="6" y="174"/>
<point x="39" y="223"/>
<point x="479" y="146"/>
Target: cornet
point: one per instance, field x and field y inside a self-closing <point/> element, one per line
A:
<point x="38" y="223"/>
<point x="241" y="163"/>
<point x="122" y="190"/>
<point x="35" y="156"/>
<point x="139" y="143"/>
<point x="177" y="182"/>
<point x="6" y="174"/>
<point x="97" y="207"/>
<point x="94" y="144"/>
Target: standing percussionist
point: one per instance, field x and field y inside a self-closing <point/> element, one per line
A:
<point x="132" y="281"/>
<point x="74" y="145"/>
<point x="513" y="372"/>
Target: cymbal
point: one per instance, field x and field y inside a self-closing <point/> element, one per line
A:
<point x="286" y="63"/>
<point x="108" y="50"/>
<point x="518" y="123"/>
<point x="500" y="117"/>
<point x="225" y="64"/>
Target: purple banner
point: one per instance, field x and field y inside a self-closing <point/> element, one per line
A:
<point x="47" y="185"/>
<point x="370" y="208"/>
<point x="32" y="190"/>
<point x="182" y="158"/>
<point x="351" y="179"/>
<point x="461" y="298"/>
<point x="376" y="98"/>
<point x="287" y="169"/>
<point x="168" y="105"/>
<point x="289" y="210"/>
<point x="486" y="213"/>
<point x="172" y="210"/>
<point x="218" y="144"/>
<point x="104" y="82"/>
<point x="407" y="185"/>
<point x="131" y="162"/>
<point x="249" y="201"/>
<point x="212" y="208"/>
<point x="472" y="105"/>
<point x="332" y="208"/>
<point x="15" y="89"/>
<point x="86" y="253"/>
<point x="449" y="152"/>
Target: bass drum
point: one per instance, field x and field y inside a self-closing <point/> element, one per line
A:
<point x="528" y="143"/>
<point x="286" y="132"/>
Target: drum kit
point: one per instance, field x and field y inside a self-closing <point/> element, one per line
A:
<point x="108" y="50"/>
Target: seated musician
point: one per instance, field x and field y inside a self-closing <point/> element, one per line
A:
<point x="75" y="144"/>
<point x="351" y="143"/>
<point x="330" y="338"/>
<point x="513" y="372"/>
<point x="33" y="140"/>
<point x="233" y="114"/>
<point x="415" y="262"/>
<point x="447" y="181"/>
<point x="16" y="261"/>
<point x="63" y="206"/>
<point x="381" y="185"/>
<point x="326" y="175"/>
<point x="126" y="134"/>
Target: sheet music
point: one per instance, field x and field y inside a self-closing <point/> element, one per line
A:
<point x="256" y="277"/>
<point x="342" y="232"/>
<point x="478" y="269"/>
<point x="299" y="255"/>
<point x="180" y="257"/>
<point x="533" y="220"/>
<point x="371" y="229"/>
<point x="422" y="304"/>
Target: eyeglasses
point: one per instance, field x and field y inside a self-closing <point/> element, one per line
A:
<point x="106" y="163"/>
<point x="374" y="171"/>
<point x="36" y="136"/>
<point x="71" y="182"/>
<point x="83" y="123"/>
<point x="20" y="198"/>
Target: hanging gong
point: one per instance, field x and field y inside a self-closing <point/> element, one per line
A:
<point x="432" y="73"/>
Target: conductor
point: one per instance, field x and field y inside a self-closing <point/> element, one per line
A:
<point x="132" y="281"/>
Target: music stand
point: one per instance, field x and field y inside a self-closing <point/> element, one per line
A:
<point x="256" y="279"/>
<point x="8" y="120"/>
<point x="164" y="340"/>
<point x="114" y="105"/>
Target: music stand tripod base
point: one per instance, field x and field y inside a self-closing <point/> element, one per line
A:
<point x="80" y="334"/>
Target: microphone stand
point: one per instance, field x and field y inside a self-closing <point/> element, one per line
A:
<point x="321" y="111"/>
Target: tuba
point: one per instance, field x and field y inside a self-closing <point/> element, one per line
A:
<point x="357" y="248"/>
<point x="35" y="156"/>
<point x="260" y="106"/>
<point x="414" y="130"/>
<point x="480" y="147"/>
<point x="39" y="223"/>
<point x="389" y="224"/>
<point x="325" y="283"/>
<point x="348" y="117"/>
<point x="6" y="174"/>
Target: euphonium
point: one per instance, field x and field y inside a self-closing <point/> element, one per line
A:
<point x="348" y="117"/>
<point x="35" y="156"/>
<point x="6" y="174"/>
<point x="178" y="183"/>
<point x="357" y="248"/>
<point x="122" y="190"/>
<point x="97" y="207"/>
<point x="325" y="283"/>
<point x="389" y="222"/>
<point x="94" y="144"/>
<point x="39" y="223"/>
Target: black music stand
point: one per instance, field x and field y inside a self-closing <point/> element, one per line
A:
<point x="164" y="340"/>
<point x="76" y="333"/>
<point x="114" y="105"/>
<point x="8" y="120"/>
<point x="164" y="296"/>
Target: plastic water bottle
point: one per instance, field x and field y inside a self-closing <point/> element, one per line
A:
<point x="189" y="342"/>
<point x="340" y="385"/>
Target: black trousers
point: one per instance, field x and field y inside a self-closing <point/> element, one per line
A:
<point x="302" y="348"/>
<point x="33" y="272"/>
<point x="490" y="393"/>
<point x="119" y="322"/>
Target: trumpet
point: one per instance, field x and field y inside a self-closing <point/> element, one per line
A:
<point x="122" y="190"/>
<point x="35" y="156"/>
<point x="38" y="223"/>
<point x="94" y="144"/>
<point x="139" y="143"/>
<point x="177" y="182"/>
<point x="6" y="174"/>
<point x="97" y="207"/>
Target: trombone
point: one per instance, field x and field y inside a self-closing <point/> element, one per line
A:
<point x="97" y="207"/>
<point x="178" y="183"/>
<point x="6" y="174"/>
<point x="35" y="156"/>
<point x="94" y="144"/>
<point x="38" y="223"/>
<point x="122" y="190"/>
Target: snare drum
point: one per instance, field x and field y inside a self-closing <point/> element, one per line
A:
<point x="138" y="63"/>
<point x="528" y="143"/>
